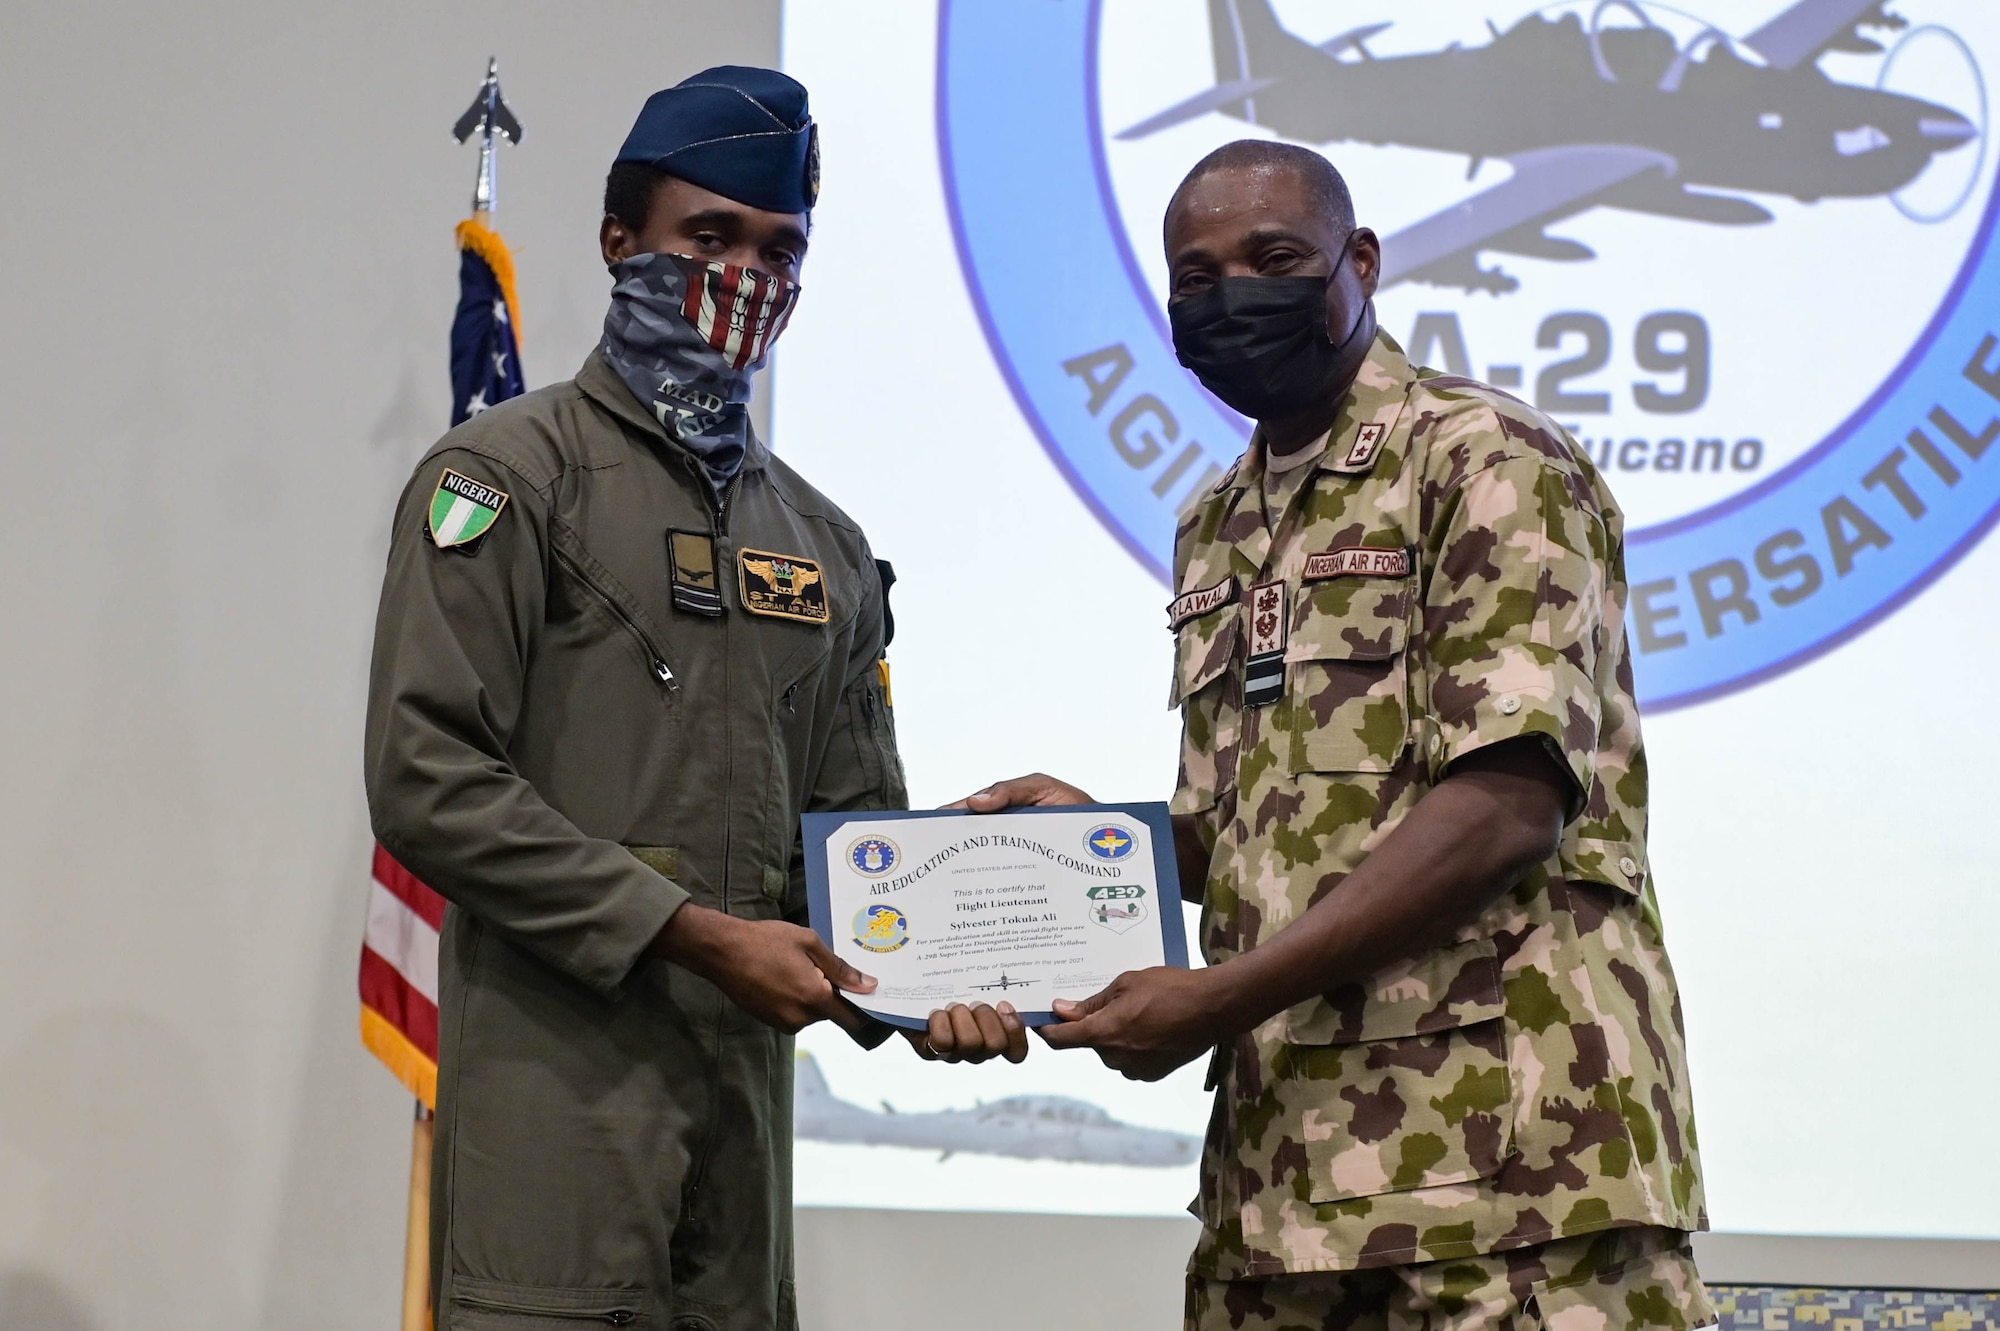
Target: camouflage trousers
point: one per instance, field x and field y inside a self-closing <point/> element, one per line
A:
<point x="1640" y="1279"/>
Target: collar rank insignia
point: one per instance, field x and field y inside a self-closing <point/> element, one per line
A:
<point x="1264" y="671"/>
<point x="1360" y="455"/>
<point x="463" y="510"/>
<point x="783" y="586"/>
<point x="691" y="561"/>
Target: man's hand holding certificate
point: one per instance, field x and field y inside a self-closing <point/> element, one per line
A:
<point x="969" y="920"/>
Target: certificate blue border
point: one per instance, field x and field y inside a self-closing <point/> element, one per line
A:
<point x="820" y="828"/>
<point x="1052" y="275"/>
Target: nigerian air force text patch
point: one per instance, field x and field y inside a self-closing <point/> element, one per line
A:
<point x="463" y="510"/>
<point x="783" y="586"/>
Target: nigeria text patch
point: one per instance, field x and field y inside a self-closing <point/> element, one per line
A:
<point x="784" y="586"/>
<point x="1358" y="561"/>
<point x="463" y="510"/>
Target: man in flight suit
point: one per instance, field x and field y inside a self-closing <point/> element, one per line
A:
<point x="621" y="648"/>
<point x="1451" y="1090"/>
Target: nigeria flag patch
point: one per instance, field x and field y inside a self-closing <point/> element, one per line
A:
<point x="463" y="510"/>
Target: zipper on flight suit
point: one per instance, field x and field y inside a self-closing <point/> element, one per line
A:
<point x="662" y="673"/>
<point x="612" y="1316"/>
<point x="719" y="526"/>
<point x="718" y="505"/>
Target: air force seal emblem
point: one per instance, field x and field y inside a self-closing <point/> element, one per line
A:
<point x="874" y="856"/>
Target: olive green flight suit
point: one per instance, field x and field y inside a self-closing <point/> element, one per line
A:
<point x="568" y="758"/>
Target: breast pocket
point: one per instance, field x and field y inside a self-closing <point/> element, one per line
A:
<point x="1349" y="684"/>
<point x="1210" y="698"/>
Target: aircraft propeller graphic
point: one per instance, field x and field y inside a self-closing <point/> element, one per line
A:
<point x="1642" y="124"/>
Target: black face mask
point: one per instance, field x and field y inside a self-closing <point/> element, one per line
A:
<point x="1261" y="345"/>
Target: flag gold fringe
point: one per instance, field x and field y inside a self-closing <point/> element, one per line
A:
<point x="404" y="1059"/>
<point x="484" y="241"/>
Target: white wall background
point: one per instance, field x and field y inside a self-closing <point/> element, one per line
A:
<point x="226" y="272"/>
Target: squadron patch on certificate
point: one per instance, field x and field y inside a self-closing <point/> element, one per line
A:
<point x="881" y="928"/>
<point x="1117" y="906"/>
<point x="463" y="510"/>
<point x="783" y="586"/>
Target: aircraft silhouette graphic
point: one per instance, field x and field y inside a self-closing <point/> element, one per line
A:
<point x="1026" y="1127"/>
<point x="1588" y="116"/>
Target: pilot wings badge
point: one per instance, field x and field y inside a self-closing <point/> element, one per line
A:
<point x="783" y="586"/>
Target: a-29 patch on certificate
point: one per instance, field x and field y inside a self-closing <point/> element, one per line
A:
<point x="1029" y="906"/>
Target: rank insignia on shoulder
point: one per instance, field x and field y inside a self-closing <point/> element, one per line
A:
<point x="1193" y="605"/>
<point x="1360" y="455"/>
<point x="1358" y="561"/>
<point x="1264" y="670"/>
<point x="783" y="586"/>
<point x="463" y="510"/>
<point x="691" y="563"/>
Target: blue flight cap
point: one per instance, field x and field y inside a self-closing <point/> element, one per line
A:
<point x="744" y="133"/>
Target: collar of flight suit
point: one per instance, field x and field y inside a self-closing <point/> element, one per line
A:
<point x="601" y="384"/>
<point x="1361" y="430"/>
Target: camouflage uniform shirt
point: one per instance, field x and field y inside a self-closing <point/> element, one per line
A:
<point x="1447" y="574"/>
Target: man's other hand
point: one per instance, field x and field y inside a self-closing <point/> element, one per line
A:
<point x="961" y="1034"/>
<point x="781" y="974"/>
<point x="1144" y="1024"/>
<point x="1022" y="792"/>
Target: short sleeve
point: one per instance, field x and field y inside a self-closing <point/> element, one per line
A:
<point x="1514" y="615"/>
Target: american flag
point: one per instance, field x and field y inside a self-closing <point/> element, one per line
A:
<point x="399" y="1016"/>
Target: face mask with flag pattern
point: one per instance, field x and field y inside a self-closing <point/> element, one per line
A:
<point x="686" y="334"/>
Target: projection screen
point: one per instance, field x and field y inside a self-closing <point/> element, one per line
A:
<point x="1747" y="257"/>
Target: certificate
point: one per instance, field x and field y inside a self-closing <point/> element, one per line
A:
<point x="1028" y="906"/>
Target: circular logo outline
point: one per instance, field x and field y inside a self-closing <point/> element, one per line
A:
<point x="889" y="862"/>
<point x="1116" y="852"/>
<point x="1789" y="548"/>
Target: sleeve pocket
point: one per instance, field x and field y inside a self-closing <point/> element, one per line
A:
<point x="1348" y="659"/>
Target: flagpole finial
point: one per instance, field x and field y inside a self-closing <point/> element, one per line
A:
<point x="488" y="117"/>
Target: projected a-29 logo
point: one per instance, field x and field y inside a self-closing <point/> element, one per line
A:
<point x="1753" y="271"/>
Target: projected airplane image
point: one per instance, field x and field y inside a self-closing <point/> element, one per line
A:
<point x="1637" y="121"/>
<point x="1027" y="1127"/>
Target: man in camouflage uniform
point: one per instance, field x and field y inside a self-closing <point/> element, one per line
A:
<point x="1451" y="1088"/>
